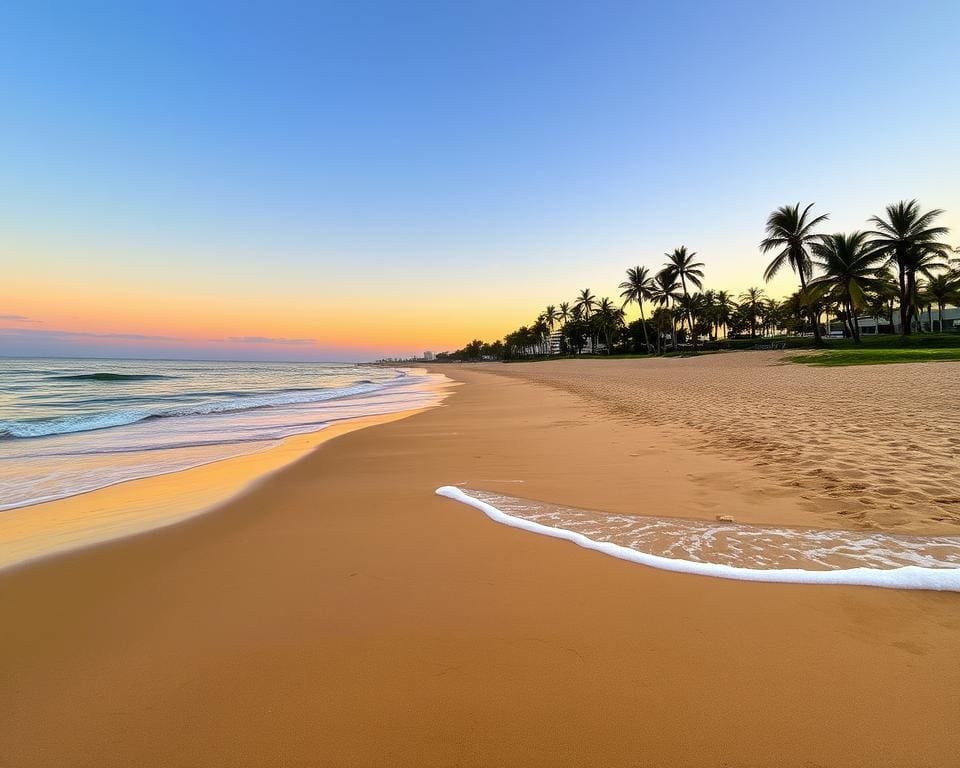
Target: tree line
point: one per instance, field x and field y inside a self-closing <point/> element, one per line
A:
<point x="894" y="271"/>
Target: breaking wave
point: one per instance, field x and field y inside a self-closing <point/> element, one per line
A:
<point x="110" y="377"/>
<point x="119" y="418"/>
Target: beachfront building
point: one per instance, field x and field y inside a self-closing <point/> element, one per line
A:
<point x="428" y="356"/>
<point x="555" y="343"/>
<point x="590" y="349"/>
<point x="925" y="322"/>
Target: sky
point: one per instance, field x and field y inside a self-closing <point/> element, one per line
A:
<point x="346" y="181"/>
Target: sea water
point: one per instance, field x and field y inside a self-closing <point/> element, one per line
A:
<point x="70" y="426"/>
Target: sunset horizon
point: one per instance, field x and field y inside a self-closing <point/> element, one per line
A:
<point x="414" y="181"/>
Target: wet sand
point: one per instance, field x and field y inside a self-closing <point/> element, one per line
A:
<point x="341" y="614"/>
<point x="137" y="506"/>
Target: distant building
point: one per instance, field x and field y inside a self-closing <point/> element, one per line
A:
<point x="555" y="343"/>
<point x="428" y="356"/>
<point x="924" y="321"/>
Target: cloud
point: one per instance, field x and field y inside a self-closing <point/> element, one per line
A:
<point x="65" y="335"/>
<point x="60" y="335"/>
<point x="265" y="340"/>
<point x="18" y="319"/>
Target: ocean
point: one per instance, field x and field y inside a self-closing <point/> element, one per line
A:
<point x="68" y="426"/>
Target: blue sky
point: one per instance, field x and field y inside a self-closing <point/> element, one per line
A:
<point x="275" y="158"/>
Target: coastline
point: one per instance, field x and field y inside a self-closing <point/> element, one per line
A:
<point x="132" y="507"/>
<point x="338" y="612"/>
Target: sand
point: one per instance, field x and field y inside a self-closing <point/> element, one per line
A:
<point x="864" y="446"/>
<point x="136" y="506"/>
<point x="341" y="614"/>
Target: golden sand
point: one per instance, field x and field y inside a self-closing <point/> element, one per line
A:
<point x="152" y="502"/>
<point x="860" y="446"/>
<point x="341" y="614"/>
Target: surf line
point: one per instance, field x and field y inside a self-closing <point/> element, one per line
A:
<point x="905" y="577"/>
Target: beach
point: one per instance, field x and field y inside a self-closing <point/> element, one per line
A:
<point x="338" y="612"/>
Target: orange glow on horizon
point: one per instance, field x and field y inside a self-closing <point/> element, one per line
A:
<point x="330" y="306"/>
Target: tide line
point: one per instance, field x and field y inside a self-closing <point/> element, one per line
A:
<point x="906" y="577"/>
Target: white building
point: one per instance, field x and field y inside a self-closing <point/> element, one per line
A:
<point x="924" y="322"/>
<point x="554" y="343"/>
<point x="428" y="356"/>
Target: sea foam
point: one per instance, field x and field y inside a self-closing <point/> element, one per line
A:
<point x="60" y="437"/>
<point x="120" y="418"/>
<point x="906" y="577"/>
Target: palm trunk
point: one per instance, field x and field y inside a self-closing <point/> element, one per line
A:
<point x="643" y="324"/>
<point x="915" y="308"/>
<point x="854" y="320"/>
<point x="673" y="326"/>
<point x="817" y="340"/>
<point x="906" y="299"/>
<point x="686" y="299"/>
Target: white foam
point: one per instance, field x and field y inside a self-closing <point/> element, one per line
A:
<point x="69" y="424"/>
<point x="906" y="577"/>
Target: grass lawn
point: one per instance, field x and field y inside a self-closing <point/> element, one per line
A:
<point x="868" y="356"/>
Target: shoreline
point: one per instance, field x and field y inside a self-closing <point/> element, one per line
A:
<point x="340" y="613"/>
<point x="937" y="579"/>
<point x="137" y="506"/>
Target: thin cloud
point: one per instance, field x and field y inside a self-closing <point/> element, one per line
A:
<point x="265" y="340"/>
<point x="66" y="335"/>
<point x="18" y="319"/>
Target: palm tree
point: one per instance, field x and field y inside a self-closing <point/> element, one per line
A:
<point x="680" y="264"/>
<point x="541" y="330"/>
<point x="638" y="287"/>
<point x="563" y="313"/>
<point x="790" y="233"/>
<point x="723" y="307"/>
<point x="751" y="301"/>
<point x="795" y="312"/>
<point x="551" y="315"/>
<point x="876" y="306"/>
<point x="849" y="265"/>
<point x="772" y="312"/>
<point x="886" y="290"/>
<point x="586" y="302"/>
<point x="608" y="318"/>
<point x="664" y="292"/>
<point x="697" y="309"/>
<point x="905" y="237"/>
<point x="943" y="289"/>
<point x="662" y="320"/>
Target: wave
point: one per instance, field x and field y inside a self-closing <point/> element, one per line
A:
<point x="110" y="377"/>
<point x="87" y="423"/>
<point x="905" y="577"/>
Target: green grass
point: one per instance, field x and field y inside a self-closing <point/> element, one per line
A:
<point x="869" y="341"/>
<point x="877" y="356"/>
<point x="889" y="341"/>
<point x="918" y="347"/>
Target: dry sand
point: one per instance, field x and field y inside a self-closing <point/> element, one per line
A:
<point x="865" y="446"/>
<point x="340" y="614"/>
